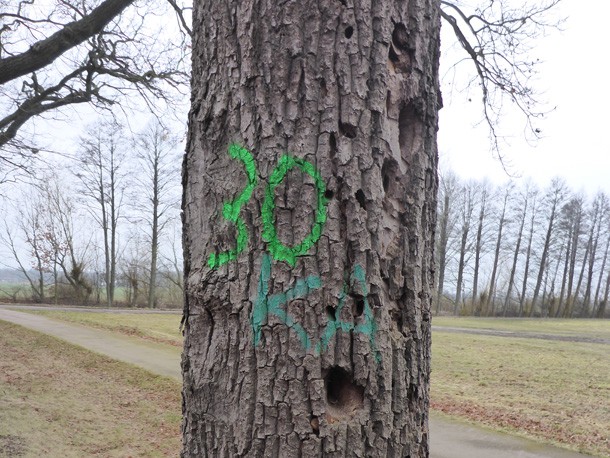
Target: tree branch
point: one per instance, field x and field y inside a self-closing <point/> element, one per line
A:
<point x="46" y="51"/>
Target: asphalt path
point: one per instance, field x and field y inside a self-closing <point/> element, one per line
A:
<point x="449" y="439"/>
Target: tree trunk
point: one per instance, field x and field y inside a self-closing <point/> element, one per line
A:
<point x="154" y="242"/>
<point x="443" y="240"/>
<point x="602" y="269"/>
<point x="528" y="254"/>
<point x="309" y="211"/>
<point x="513" y="270"/>
<point x="477" y="254"/>
<point x="491" y="299"/>
<point x="545" y="249"/>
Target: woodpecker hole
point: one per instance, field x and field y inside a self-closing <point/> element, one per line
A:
<point x="361" y="199"/>
<point x="343" y="395"/>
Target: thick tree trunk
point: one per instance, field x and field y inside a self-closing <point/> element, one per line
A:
<point x="309" y="211"/>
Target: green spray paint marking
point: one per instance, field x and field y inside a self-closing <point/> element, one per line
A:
<point x="276" y="305"/>
<point x="368" y="328"/>
<point x="265" y="304"/>
<point x="230" y="210"/>
<point x="279" y="251"/>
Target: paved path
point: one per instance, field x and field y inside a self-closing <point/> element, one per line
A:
<point x="522" y="334"/>
<point x="449" y="439"/>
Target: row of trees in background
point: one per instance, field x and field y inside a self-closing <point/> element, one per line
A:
<point x="110" y="220"/>
<point x="517" y="250"/>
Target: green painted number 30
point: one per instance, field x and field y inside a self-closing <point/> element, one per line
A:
<point x="231" y="209"/>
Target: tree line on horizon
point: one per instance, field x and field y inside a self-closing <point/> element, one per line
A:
<point x="518" y="250"/>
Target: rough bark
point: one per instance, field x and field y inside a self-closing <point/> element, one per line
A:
<point x="309" y="210"/>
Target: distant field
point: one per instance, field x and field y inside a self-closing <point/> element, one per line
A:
<point x="59" y="400"/>
<point x="553" y="391"/>
<point x="566" y="327"/>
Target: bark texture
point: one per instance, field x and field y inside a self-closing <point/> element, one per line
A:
<point x="309" y="211"/>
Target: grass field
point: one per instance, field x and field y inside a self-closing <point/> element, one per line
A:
<point x="557" y="392"/>
<point x="588" y="328"/>
<point x="59" y="400"/>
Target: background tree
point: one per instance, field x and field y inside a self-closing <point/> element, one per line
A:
<point x="102" y="178"/>
<point x="157" y="183"/>
<point x="466" y="210"/>
<point x="31" y="233"/>
<point x="309" y="210"/>
<point x="484" y="191"/>
<point x="447" y="195"/>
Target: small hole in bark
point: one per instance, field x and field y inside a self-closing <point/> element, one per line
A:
<point x="315" y="425"/>
<point x="388" y="174"/>
<point x="358" y="305"/>
<point x="360" y="198"/>
<point x="396" y="316"/>
<point x="342" y="393"/>
<point x="393" y="56"/>
<point x="329" y="194"/>
<point x="331" y="312"/>
<point x="349" y="31"/>
<point x="332" y="141"/>
<point x="323" y="89"/>
<point x="347" y="130"/>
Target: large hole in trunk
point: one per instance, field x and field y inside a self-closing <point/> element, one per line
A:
<point x="343" y="396"/>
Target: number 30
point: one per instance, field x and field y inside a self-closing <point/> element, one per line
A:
<point x="231" y="209"/>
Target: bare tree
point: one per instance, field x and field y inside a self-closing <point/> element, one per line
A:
<point x="491" y="296"/>
<point x="446" y="221"/>
<point x="528" y="252"/>
<point x="60" y="212"/>
<point x="158" y="186"/>
<point x="484" y="192"/>
<point x="467" y="203"/>
<point x="80" y="51"/>
<point x="31" y="233"/>
<point x="596" y="216"/>
<point x="554" y="198"/>
<point x="102" y="180"/>
<point x="521" y="209"/>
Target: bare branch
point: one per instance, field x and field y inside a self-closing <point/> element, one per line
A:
<point x="46" y="51"/>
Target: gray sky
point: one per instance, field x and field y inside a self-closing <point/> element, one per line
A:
<point x="576" y="142"/>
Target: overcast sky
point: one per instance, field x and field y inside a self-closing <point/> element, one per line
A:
<point x="576" y="135"/>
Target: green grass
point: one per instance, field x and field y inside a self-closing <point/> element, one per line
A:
<point x="555" y="391"/>
<point x="588" y="328"/>
<point x="163" y="328"/>
<point x="59" y="400"/>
